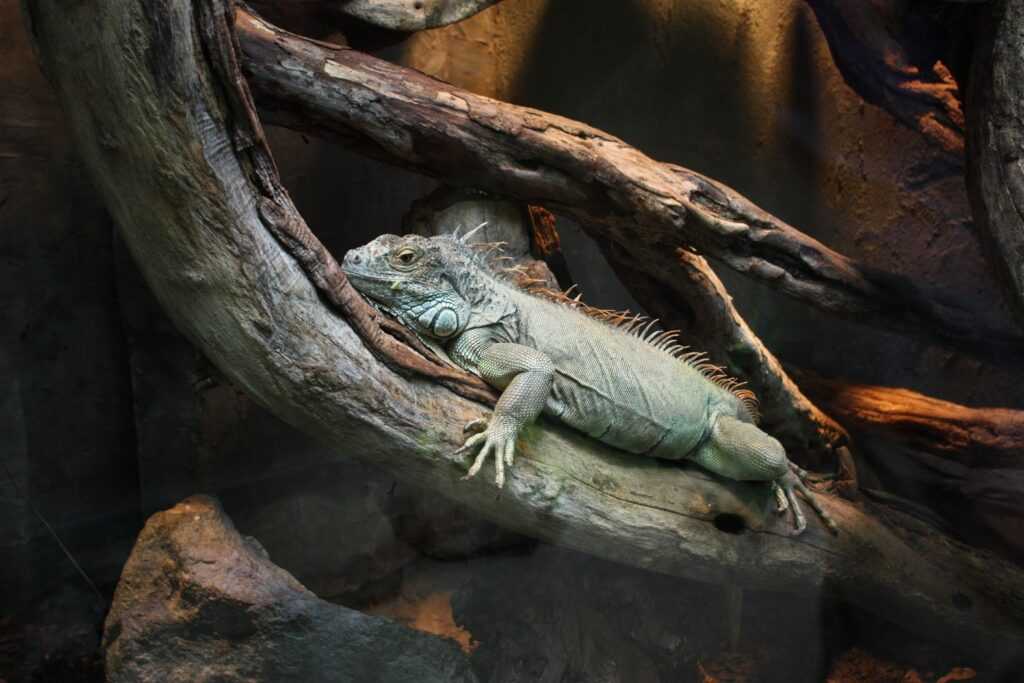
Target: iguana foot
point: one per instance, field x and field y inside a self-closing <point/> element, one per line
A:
<point x="497" y="438"/>
<point x="781" y="503"/>
<point x="785" y="488"/>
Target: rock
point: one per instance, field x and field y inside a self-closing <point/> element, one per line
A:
<point x="198" y="602"/>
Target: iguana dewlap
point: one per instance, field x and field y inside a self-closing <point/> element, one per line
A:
<point x="622" y="384"/>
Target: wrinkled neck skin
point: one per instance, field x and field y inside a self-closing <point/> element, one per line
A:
<point x="491" y="303"/>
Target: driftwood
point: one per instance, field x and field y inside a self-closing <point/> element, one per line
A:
<point x="995" y="136"/>
<point x="150" y="98"/>
<point x="618" y="194"/>
<point x="964" y="465"/>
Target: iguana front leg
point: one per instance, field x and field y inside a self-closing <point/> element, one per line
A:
<point x="525" y="375"/>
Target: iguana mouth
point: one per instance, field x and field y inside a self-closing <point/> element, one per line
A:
<point x="356" y="274"/>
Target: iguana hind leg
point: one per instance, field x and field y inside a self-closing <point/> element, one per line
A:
<point x="739" y="450"/>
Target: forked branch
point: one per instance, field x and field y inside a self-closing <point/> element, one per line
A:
<point x="617" y="193"/>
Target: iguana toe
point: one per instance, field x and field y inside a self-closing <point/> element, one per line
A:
<point x="781" y="503"/>
<point x="498" y="440"/>
<point x="789" y="484"/>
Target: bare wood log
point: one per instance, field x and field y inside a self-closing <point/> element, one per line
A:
<point x="876" y="57"/>
<point x="406" y="118"/>
<point x="964" y="464"/>
<point x="145" y="89"/>
<point x="995" y="134"/>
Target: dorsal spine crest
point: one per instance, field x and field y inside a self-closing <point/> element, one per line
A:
<point x="644" y="328"/>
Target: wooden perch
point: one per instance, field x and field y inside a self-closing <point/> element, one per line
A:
<point x="964" y="464"/>
<point x="995" y="133"/>
<point x="617" y="193"/>
<point x="166" y="132"/>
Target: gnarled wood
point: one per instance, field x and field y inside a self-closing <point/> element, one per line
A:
<point x="618" y="194"/>
<point x="149" y="101"/>
<point x="995" y="136"/>
<point x="964" y="464"/>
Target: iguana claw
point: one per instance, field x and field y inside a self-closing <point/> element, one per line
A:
<point x="475" y="426"/>
<point x="496" y="438"/>
<point x="785" y="488"/>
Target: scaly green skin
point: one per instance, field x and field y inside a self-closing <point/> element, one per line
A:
<point x="608" y="382"/>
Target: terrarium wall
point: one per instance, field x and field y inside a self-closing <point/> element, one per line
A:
<point x="110" y="415"/>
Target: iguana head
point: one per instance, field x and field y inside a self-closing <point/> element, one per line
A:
<point x="430" y="284"/>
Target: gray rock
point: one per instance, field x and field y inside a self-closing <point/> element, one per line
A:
<point x="198" y="602"/>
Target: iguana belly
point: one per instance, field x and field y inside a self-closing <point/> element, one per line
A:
<point x="623" y="392"/>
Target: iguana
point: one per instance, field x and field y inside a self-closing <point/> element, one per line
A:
<point x="618" y="380"/>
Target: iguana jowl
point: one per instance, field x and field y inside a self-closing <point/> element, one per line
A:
<point x="621" y="384"/>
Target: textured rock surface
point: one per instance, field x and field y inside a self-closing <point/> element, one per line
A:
<point x="198" y="602"/>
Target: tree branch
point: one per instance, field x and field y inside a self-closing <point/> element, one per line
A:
<point x="619" y="195"/>
<point x="148" y="97"/>
<point x="965" y="464"/>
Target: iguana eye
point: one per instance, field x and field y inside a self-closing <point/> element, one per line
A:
<point x="405" y="257"/>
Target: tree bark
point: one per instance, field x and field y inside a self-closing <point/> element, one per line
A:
<point x="964" y="465"/>
<point x="165" y="132"/>
<point x="619" y="195"/>
<point x="995" y="136"/>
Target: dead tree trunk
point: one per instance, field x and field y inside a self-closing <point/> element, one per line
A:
<point x="166" y="130"/>
<point x="995" y="143"/>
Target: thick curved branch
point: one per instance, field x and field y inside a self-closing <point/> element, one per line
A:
<point x="965" y="464"/>
<point x="995" y="135"/>
<point x="619" y="195"/>
<point x="873" y="45"/>
<point x="149" y="101"/>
